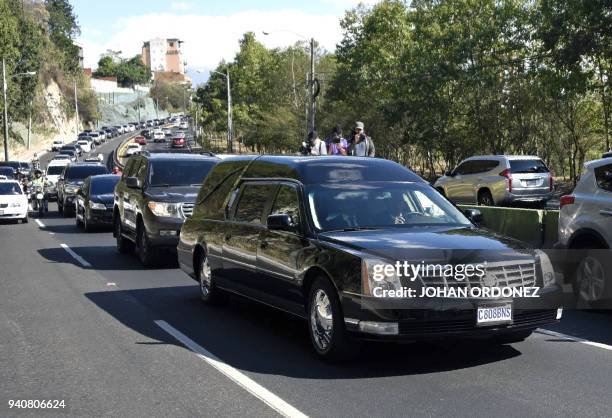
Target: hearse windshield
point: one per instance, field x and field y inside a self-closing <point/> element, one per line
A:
<point x="380" y="205"/>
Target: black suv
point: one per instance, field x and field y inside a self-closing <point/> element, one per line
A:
<point x="70" y="182"/>
<point x="322" y="238"/>
<point x="155" y="195"/>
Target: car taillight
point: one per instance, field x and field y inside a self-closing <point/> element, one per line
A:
<point x="567" y="200"/>
<point x="550" y="182"/>
<point x="506" y="174"/>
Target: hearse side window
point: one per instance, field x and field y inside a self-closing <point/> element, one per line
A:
<point x="252" y="202"/>
<point x="287" y="203"/>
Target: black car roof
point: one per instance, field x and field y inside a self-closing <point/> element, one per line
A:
<point x="312" y="170"/>
<point x="178" y="156"/>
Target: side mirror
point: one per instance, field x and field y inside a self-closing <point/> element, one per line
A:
<point x="281" y="222"/>
<point x="132" y="183"/>
<point x="475" y="216"/>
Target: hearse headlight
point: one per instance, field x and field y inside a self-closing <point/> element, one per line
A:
<point x="378" y="277"/>
<point x="546" y="267"/>
<point x="165" y="209"/>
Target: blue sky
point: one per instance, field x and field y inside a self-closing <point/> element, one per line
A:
<point x="210" y="29"/>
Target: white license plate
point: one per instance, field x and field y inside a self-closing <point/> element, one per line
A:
<point x="491" y="315"/>
<point x="531" y="182"/>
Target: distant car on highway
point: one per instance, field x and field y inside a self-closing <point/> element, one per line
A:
<point x="71" y="181"/>
<point x="85" y="146"/>
<point x="178" y="143"/>
<point x="57" y="144"/>
<point x="13" y="201"/>
<point x="133" y="149"/>
<point x="72" y="155"/>
<point x="94" y="201"/>
<point x="159" y="136"/>
<point x="184" y="125"/>
<point x="167" y="132"/>
<point x="54" y="170"/>
<point x="97" y="137"/>
<point x="61" y="157"/>
<point x="140" y="140"/>
<point x="585" y="228"/>
<point x="157" y="192"/>
<point x="497" y="179"/>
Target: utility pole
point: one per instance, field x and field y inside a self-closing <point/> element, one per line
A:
<point x="230" y="147"/>
<point x="156" y="108"/>
<point x="312" y="82"/>
<point x="76" y="110"/>
<point x="4" y="88"/>
<point x="30" y="122"/>
<point x="138" y="101"/>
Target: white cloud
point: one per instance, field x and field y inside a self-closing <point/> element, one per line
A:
<point x="180" y="5"/>
<point x="209" y="39"/>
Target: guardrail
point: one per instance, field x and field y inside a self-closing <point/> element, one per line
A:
<point x="537" y="227"/>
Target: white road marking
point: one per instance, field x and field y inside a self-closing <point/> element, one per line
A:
<point x="74" y="255"/>
<point x="42" y="225"/>
<point x="111" y="284"/>
<point x="238" y="377"/>
<point x="575" y="339"/>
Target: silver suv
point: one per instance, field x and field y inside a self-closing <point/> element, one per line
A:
<point x="496" y="179"/>
<point x="585" y="223"/>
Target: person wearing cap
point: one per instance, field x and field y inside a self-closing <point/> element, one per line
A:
<point x="317" y="145"/>
<point x="360" y="145"/>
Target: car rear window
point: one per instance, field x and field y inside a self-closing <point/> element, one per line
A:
<point x="81" y="172"/>
<point x="55" y="170"/>
<point x="7" y="171"/>
<point x="527" y="166"/>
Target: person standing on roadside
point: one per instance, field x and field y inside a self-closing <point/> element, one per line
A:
<point x="360" y="145"/>
<point x="317" y="145"/>
<point x="336" y="145"/>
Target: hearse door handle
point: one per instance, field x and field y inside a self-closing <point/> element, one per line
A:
<point x="605" y="212"/>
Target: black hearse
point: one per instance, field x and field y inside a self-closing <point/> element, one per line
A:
<point x="315" y="236"/>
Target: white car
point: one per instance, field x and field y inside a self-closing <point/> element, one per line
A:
<point x="133" y="149"/>
<point x="158" y="134"/>
<point x="57" y="145"/>
<point x="13" y="202"/>
<point x="585" y="223"/>
<point x="85" y="146"/>
<point x="184" y="125"/>
<point x="53" y="173"/>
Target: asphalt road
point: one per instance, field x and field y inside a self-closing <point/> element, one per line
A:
<point x="80" y="322"/>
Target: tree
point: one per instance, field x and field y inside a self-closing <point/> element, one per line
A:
<point x="63" y="28"/>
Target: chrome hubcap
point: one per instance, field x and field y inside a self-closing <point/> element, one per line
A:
<point x="591" y="279"/>
<point x="321" y="319"/>
<point x="205" y="278"/>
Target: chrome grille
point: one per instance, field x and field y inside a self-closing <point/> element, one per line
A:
<point x="498" y="274"/>
<point x="187" y="209"/>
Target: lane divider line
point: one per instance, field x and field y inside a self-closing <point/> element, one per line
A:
<point x="574" y="339"/>
<point x="42" y="225"/>
<point x="237" y="376"/>
<point x="74" y="255"/>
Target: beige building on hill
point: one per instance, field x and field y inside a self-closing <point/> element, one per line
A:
<point x="164" y="56"/>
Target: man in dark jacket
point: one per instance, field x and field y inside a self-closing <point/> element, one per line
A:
<point x="360" y="145"/>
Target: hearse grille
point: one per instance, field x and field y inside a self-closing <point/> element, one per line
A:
<point x="512" y="274"/>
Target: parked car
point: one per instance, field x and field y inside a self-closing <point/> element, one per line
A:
<point x="94" y="201"/>
<point x="132" y="149"/>
<point x="55" y="168"/>
<point x="154" y="197"/>
<point x="85" y="146"/>
<point x="13" y="201"/>
<point x="178" y="143"/>
<point x="57" y="145"/>
<point x="71" y="181"/>
<point x="495" y="180"/>
<point x="585" y="230"/>
<point x="295" y="234"/>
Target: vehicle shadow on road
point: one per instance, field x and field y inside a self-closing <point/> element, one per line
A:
<point x="100" y="257"/>
<point x="252" y="337"/>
